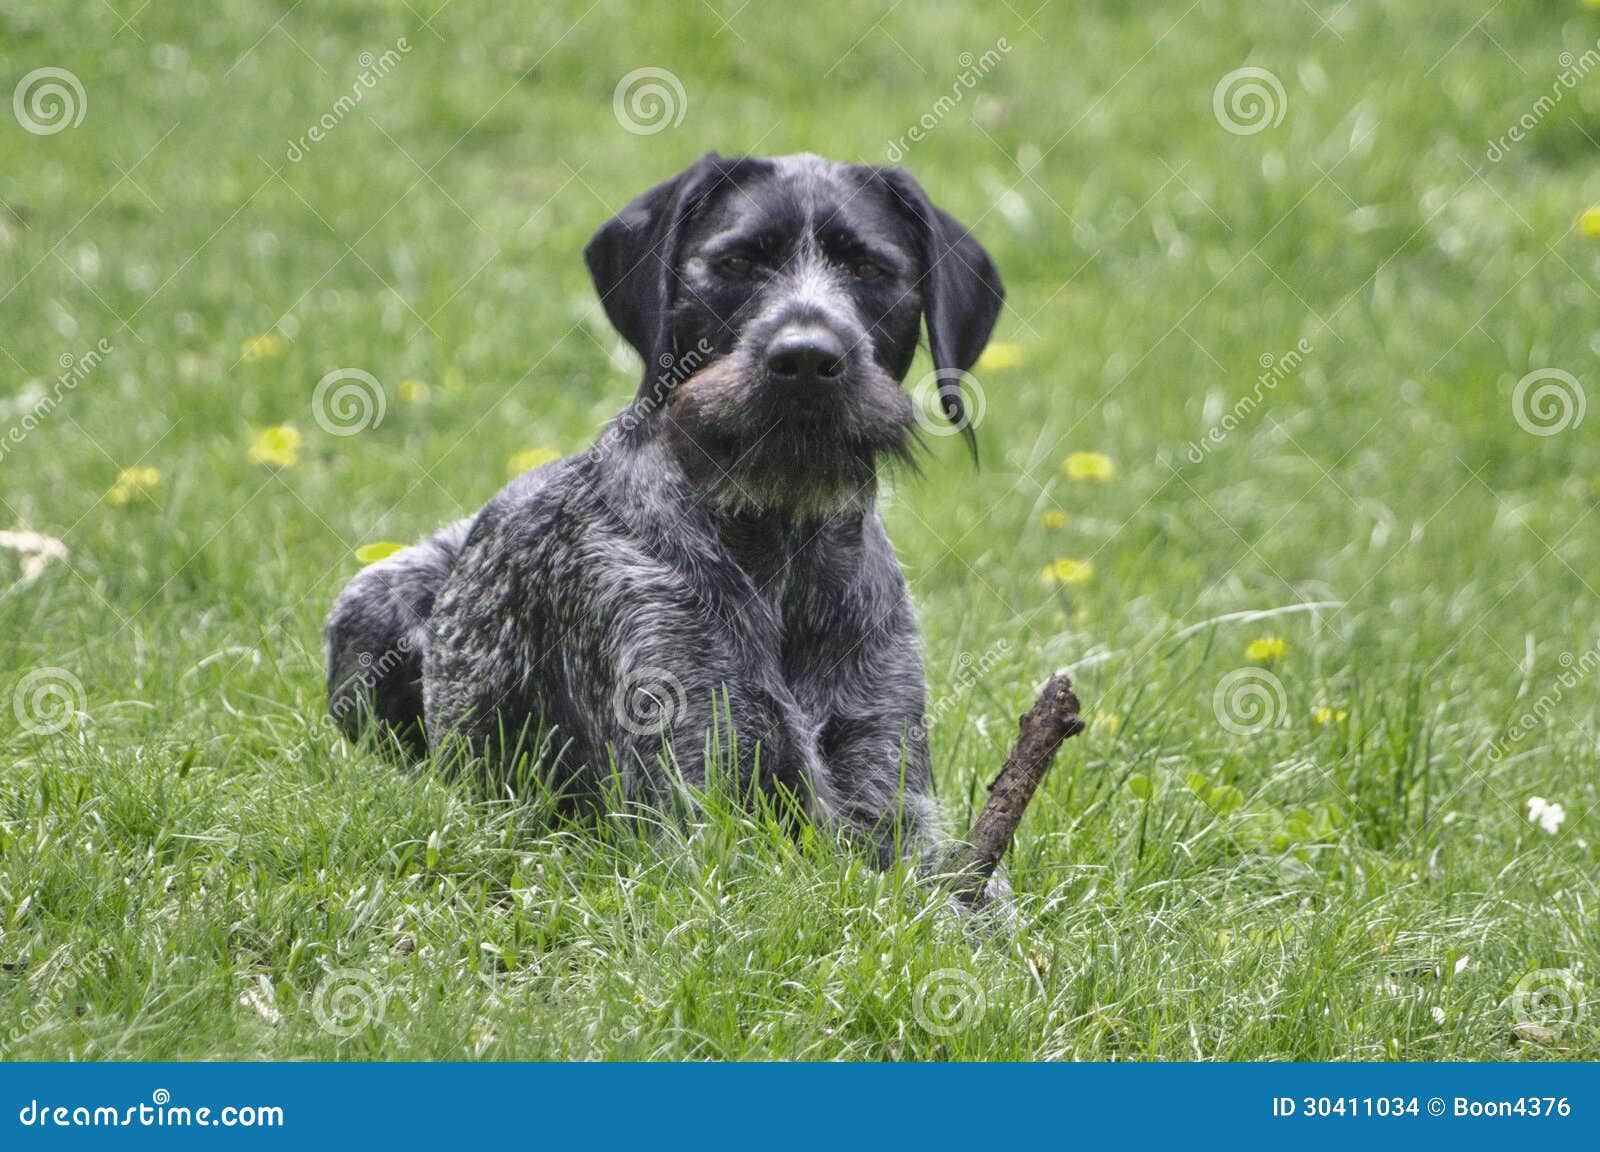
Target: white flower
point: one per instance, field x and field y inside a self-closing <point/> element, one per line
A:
<point x="260" y="998"/>
<point x="1546" y="813"/>
<point x="1438" y="1014"/>
<point x="36" y="550"/>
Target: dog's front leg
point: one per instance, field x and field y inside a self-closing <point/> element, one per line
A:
<point x="874" y="783"/>
<point x="892" y="812"/>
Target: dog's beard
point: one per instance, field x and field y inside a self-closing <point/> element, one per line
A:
<point x="760" y="446"/>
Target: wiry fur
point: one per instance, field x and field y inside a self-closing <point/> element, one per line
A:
<point x="716" y="561"/>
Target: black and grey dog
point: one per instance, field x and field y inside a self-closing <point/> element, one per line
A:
<point x="711" y="578"/>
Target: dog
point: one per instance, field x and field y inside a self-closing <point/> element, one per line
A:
<point x="712" y="578"/>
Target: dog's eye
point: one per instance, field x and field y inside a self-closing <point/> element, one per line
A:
<point x="736" y="265"/>
<point x="866" y="270"/>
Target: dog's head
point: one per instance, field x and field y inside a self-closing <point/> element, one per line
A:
<point x="777" y="304"/>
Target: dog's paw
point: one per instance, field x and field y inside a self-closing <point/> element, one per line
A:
<point x="993" y="912"/>
<point x="996" y="910"/>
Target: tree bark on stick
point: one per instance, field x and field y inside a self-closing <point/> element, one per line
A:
<point x="1040" y="733"/>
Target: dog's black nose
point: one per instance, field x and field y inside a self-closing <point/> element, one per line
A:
<point x="805" y="354"/>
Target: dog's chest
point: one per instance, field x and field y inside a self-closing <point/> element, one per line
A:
<point x="765" y="551"/>
<point x="794" y="597"/>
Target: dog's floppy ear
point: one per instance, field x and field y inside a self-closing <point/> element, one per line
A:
<point x="961" y="293"/>
<point x="630" y="258"/>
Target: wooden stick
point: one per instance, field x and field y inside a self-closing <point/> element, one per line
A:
<point x="1040" y="733"/>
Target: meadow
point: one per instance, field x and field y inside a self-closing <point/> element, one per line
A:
<point x="1283" y="455"/>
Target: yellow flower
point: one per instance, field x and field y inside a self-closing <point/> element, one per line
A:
<point x="1055" y="520"/>
<point x="998" y="356"/>
<point x="1068" y="572"/>
<point x="1108" y="722"/>
<point x="1324" y="715"/>
<point x="372" y="553"/>
<point x="413" y="391"/>
<point x="263" y="347"/>
<point x="1090" y="466"/>
<point x="1590" y="222"/>
<point x="1265" y="649"/>
<point x="532" y="458"/>
<point x="278" y="446"/>
<point x="132" y="483"/>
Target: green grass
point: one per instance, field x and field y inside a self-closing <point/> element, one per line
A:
<point x="187" y="860"/>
